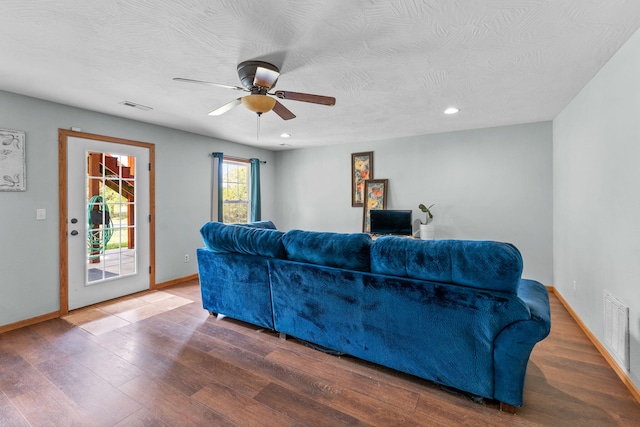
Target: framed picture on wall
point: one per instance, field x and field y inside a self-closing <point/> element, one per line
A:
<point x="361" y="170"/>
<point x="375" y="197"/>
<point x="12" y="160"/>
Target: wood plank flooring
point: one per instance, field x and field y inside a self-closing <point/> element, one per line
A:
<point x="182" y="367"/>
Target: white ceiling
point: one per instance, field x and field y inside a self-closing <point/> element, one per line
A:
<point x="393" y="66"/>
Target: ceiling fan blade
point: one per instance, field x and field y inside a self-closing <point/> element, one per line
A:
<point x="265" y="77"/>
<point x="305" y="97"/>
<point x="226" y="107"/>
<point x="283" y="111"/>
<point x="180" y="79"/>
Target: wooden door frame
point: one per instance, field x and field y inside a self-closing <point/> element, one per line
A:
<point x="63" y="135"/>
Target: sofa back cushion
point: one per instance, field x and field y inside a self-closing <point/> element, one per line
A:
<point x="239" y="238"/>
<point x="259" y="224"/>
<point x="349" y="251"/>
<point x="478" y="264"/>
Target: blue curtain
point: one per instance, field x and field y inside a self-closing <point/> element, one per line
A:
<point x="256" y="215"/>
<point x="217" y="186"/>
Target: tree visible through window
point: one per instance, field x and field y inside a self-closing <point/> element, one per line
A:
<point x="235" y="192"/>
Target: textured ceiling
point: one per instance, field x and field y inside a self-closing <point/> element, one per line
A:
<point x="393" y="66"/>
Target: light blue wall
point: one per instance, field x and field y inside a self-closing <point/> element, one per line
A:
<point x="487" y="184"/>
<point x="29" y="255"/>
<point x="596" y="196"/>
<point x="490" y="184"/>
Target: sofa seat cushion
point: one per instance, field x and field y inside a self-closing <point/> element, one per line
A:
<point x="349" y="251"/>
<point x="478" y="264"/>
<point x="248" y="240"/>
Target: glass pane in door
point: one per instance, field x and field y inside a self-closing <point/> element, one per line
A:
<point x="110" y="220"/>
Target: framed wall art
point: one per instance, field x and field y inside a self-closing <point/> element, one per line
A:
<point x="361" y="170"/>
<point x="375" y="197"/>
<point x="12" y="160"/>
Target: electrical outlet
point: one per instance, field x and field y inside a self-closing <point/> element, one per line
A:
<point x="186" y="257"/>
<point x="575" y="286"/>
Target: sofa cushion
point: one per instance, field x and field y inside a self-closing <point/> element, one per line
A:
<point x="418" y="259"/>
<point x="235" y="238"/>
<point x="478" y="264"/>
<point x="259" y="224"/>
<point x="349" y="251"/>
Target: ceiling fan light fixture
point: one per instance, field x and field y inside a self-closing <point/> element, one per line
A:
<point x="259" y="103"/>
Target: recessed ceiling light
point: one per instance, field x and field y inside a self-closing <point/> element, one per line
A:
<point x="285" y="135"/>
<point x="451" y="110"/>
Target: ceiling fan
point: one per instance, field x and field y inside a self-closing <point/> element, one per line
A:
<point x="258" y="78"/>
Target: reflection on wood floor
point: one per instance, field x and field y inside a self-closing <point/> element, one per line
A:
<point x="105" y="317"/>
<point x="160" y="360"/>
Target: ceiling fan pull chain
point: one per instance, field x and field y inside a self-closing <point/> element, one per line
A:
<point x="258" y="129"/>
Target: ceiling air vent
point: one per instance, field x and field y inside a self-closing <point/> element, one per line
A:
<point x="134" y="105"/>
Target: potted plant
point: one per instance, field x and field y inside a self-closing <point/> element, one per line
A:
<point x="426" y="230"/>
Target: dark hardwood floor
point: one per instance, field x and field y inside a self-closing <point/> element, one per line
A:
<point x="182" y="367"/>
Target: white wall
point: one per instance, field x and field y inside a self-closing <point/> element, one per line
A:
<point x="597" y="196"/>
<point x="29" y="255"/>
<point x="492" y="184"/>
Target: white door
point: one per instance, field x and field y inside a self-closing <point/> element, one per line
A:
<point x="108" y="220"/>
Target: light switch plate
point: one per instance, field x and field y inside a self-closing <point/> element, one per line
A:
<point x="41" y="214"/>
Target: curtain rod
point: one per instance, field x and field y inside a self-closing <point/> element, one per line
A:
<point x="240" y="159"/>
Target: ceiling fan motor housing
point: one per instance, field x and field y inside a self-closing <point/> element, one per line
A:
<point x="247" y="73"/>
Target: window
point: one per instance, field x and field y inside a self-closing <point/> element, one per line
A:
<point x="235" y="192"/>
<point x="235" y="189"/>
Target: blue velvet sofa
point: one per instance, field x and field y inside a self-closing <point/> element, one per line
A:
<point x="453" y="312"/>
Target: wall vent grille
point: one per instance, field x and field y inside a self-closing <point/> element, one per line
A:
<point x="135" y="105"/>
<point x="616" y="329"/>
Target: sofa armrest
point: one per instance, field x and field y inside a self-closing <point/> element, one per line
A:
<point x="536" y="296"/>
<point x="513" y="346"/>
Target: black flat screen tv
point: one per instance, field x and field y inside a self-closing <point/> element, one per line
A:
<point x="391" y="222"/>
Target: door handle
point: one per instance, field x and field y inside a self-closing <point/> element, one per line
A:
<point x="74" y="232"/>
